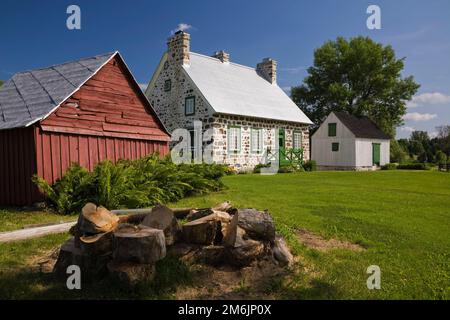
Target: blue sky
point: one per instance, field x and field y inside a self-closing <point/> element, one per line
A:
<point x="34" y="34"/>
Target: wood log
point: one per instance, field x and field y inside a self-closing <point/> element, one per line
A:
<point x="258" y="225"/>
<point x="138" y="244"/>
<point x="224" y="206"/>
<point x="281" y="252"/>
<point x="91" y="266"/>
<point x="200" y="232"/>
<point x="131" y="274"/>
<point x="35" y="232"/>
<point x="162" y="218"/>
<point x="244" y="254"/>
<point x="198" y="213"/>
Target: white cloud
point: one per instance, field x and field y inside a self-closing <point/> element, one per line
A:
<point x="182" y="27"/>
<point x="428" y="98"/>
<point x="407" y="129"/>
<point x="143" y="86"/>
<point x="415" y="116"/>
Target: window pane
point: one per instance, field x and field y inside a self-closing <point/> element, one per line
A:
<point x="335" y="146"/>
<point x="256" y="140"/>
<point x="332" y="129"/>
<point x="297" y="140"/>
<point x="190" y="105"/>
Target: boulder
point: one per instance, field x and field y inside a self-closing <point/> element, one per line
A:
<point x="131" y="274"/>
<point x="162" y="218"/>
<point x="200" y="232"/>
<point x="258" y="225"/>
<point x="138" y="244"/>
<point x="281" y="252"/>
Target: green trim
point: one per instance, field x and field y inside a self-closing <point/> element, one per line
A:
<point x="228" y="140"/>
<point x="335" y="146"/>
<point x="251" y="139"/>
<point x="332" y="129"/>
<point x="185" y="104"/>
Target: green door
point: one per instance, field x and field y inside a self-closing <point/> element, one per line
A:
<point x="281" y="146"/>
<point x="376" y="154"/>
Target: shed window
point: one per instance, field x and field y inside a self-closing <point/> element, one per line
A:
<point x="167" y="85"/>
<point x="332" y="129"/>
<point x="234" y="139"/>
<point x="297" y="140"/>
<point x="335" y="146"/>
<point x="189" y="106"/>
<point x="257" y="140"/>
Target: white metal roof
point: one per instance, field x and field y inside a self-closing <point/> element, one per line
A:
<point x="235" y="89"/>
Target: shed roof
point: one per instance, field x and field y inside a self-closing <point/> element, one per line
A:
<point x="361" y="127"/>
<point x="231" y="88"/>
<point x="30" y="96"/>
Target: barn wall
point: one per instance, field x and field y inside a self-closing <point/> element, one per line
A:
<point x="57" y="151"/>
<point x="17" y="166"/>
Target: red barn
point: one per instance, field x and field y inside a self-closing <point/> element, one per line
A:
<point x="83" y="111"/>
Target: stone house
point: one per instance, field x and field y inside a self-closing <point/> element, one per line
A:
<point x="249" y="114"/>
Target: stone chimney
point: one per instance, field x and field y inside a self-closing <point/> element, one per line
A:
<point x="179" y="47"/>
<point x="222" y="56"/>
<point x="268" y="69"/>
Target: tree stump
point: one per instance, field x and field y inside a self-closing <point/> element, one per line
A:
<point x="281" y="252"/>
<point x="139" y="244"/>
<point x="162" y="218"/>
<point x="131" y="274"/>
<point x="200" y="232"/>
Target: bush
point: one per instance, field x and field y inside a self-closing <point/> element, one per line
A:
<point x="413" y="166"/>
<point x="130" y="184"/>
<point x="310" y="165"/>
<point x="257" y="168"/>
<point x="389" y="166"/>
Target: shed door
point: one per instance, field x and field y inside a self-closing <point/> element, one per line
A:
<point x="376" y="154"/>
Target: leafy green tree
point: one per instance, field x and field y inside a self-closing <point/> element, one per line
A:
<point x="443" y="139"/>
<point x="1" y="82"/>
<point x="441" y="157"/>
<point x="398" y="152"/>
<point x="358" y="76"/>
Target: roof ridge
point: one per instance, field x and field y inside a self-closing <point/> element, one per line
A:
<point x="218" y="60"/>
<point x="64" y="63"/>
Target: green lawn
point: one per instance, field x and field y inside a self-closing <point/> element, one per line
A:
<point x="401" y="217"/>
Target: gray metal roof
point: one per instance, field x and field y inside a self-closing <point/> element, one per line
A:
<point x="30" y="96"/>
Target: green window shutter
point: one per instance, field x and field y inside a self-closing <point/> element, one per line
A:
<point x="332" y="129"/>
<point x="335" y="146"/>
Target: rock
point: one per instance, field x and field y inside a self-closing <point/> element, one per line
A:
<point x="200" y="232"/>
<point x="131" y="274"/>
<point x="245" y="253"/>
<point x="162" y="218"/>
<point x="198" y="213"/>
<point x="138" y="244"/>
<point x="91" y="266"/>
<point x="281" y="252"/>
<point x="257" y="224"/>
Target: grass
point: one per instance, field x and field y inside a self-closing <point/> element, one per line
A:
<point x="402" y="218"/>
<point x="11" y="219"/>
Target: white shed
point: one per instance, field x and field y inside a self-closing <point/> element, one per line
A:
<point x="346" y="142"/>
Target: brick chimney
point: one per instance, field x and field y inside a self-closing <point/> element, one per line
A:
<point x="268" y="70"/>
<point x="179" y="47"/>
<point x="222" y="56"/>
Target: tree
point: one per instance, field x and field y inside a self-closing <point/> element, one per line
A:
<point x="1" y="82"/>
<point x="443" y="139"/>
<point x="441" y="157"/>
<point x="358" y="76"/>
<point x="398" y="152"/>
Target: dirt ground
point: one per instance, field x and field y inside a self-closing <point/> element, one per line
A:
<point x="314" y="241"/>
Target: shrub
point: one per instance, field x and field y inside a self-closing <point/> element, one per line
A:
<point x="310" y="165"/>
<point x="130" y="183"/>
<point x="413" y="166"/>
<point x="257" y="168"/>
<point x="389" y="166"/>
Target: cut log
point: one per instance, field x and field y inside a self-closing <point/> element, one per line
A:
<point x="138" y="244"/>
<point x="136" y="218"/>
<point x="23" y="234"/>
<point x="213" y="255"/>
<point x="224" y="206"/>
<point x="104" y="245"/>
<point x="198" y="213"/>
<point x="258" y="225"/>
<point x="181" y="213"/>
<point x="200" y="232"/>
<point x="244" y="254"/>
<point x="281" y="252"/>
<point x="93" y="220"/>
<point x="91" y="266"/>
<point x="131" y="274"/>
<point x="162" y="218"/>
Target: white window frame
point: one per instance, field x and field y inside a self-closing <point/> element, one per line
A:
<point x="234" y="133"/>
<point x="256" y="140"/>
<point x="192" y="110"/>
<point x="297" y="142"/>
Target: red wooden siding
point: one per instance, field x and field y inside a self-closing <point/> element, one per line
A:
<point x="108" y="105"/>
<point x="57" y="151"/>
<point x="17" y="166"/>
